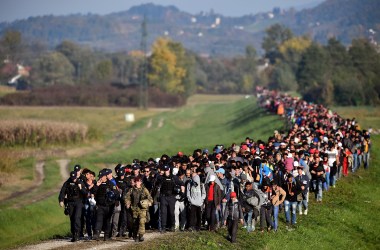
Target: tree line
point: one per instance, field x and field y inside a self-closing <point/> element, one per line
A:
<point x="330" y="74"/>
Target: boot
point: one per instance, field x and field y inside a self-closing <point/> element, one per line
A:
<point x="75" y="237"/>
<point x="141" y="237"/>
<point x="96" y="235"/>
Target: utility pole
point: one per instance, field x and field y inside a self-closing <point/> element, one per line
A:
<point x="143" y="78"/>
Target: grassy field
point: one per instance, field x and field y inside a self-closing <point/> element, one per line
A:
<point x="348" y="217"/>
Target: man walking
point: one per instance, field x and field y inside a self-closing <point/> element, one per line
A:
<point x="75" y="191"/>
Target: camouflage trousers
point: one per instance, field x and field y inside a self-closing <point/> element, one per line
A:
<point x="139" y="220"/>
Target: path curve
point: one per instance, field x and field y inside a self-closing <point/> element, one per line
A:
<point x="40" y="176"/>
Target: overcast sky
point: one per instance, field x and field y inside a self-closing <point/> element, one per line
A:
<point x="11" y="10"/>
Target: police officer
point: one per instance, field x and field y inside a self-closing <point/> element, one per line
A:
<point x="74" y="190"/>
<point x="105" y="193"/>
<point x="167" y="183"/>
<point x="138" y="199"/>
<point x="123" y="187"/>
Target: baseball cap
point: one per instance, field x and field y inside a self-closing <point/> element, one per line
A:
<point x="220" y="170"/>
<point x="77" y="168"/>
<point x="136" y="166"/>
<point x="102" y="173"/>
<point x="165" y="168"/>
<point x="73" y="174"/>
<point x="212" y="178"/>
<point x="120" y="171"/>
<point x="233" y="195"/>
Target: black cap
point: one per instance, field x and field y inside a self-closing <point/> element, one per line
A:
<point x="120" y="171"/>
<point x="77" y="168"/>
<point x="165" y="167"/>
<point x="136" y="166"/>
<point x="73" y="174"/>
<point x="102" y="173"/>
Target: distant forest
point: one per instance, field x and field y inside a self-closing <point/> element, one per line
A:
<point x="73" y="74"/>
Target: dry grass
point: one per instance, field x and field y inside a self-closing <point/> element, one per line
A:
<point x="40" y="133"/>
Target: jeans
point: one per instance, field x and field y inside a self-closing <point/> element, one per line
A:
<point x="293" y="206"/>
<point x="317" y="185"/>
<point x="332" y="180"/>
<point x="327" y="181"/>
<point x="220" y="213"/>
<point x="157" y="213"/>
<point x="366" y="160"/>
<point x="303" y="203"/>
<point x="248" y="220"/>
<point x="275" y="217"/>
<point x="356" y="163"/>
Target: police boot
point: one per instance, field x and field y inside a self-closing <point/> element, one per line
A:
<point x="75" y="237"/>
<point x="96" y="235"/>
<point x="141" y="237"/>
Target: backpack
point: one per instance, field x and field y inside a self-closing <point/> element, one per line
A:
<point x="258" y="200"/>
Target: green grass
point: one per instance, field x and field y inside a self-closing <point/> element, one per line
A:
<point x="39" y="221"/>
<point x="348" y="217"/>
<point x="201" y="126"/>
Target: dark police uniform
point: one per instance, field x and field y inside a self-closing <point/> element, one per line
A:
<point x="167" y="198"/>
<point x="123" y="186"/>
<point x="104" y="207"/>
<point x="74" y="190"/>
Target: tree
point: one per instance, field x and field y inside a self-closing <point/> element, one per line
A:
<point x="275" y="36"/>
<point x="103" y="71"/>
<point x="291" y="51"/>
<point x="11" y="45"/>
<point x="165" y="70"/>
<point x="52" y="68"/>
<point x="81" y="58"/>
<point x="314" y="75"/>
<point x="367" y="62"/>
<point x="283" y="78"/>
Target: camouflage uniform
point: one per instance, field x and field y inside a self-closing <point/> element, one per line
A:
<point x="132" y="199"/>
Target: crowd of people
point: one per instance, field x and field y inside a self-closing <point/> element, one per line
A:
<point x="249" y="182"/>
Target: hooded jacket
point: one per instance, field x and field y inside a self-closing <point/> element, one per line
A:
<point x="196" y="192"/>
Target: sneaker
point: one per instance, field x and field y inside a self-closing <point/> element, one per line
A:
<point x="300" y="212"/>
<point x="305" y="212"/>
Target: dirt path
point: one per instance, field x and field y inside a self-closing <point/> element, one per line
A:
<point x="65" y="244"/>
<point x="39" y="177"/>
<point x="63" y="169"/>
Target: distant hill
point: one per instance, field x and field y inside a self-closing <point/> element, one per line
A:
<point x="343" y="19"/>
<point x="207" y="33"/>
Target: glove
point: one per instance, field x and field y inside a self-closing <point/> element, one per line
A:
<point x="61" y="204"/>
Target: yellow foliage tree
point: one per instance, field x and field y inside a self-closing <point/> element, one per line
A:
<point x="165" y="70"/>
<point x="293" y="47"/>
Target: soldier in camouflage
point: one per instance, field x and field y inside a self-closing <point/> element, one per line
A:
<point x="138" y="199"/>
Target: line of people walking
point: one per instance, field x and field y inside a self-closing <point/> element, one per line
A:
<point x="249" y="182"/>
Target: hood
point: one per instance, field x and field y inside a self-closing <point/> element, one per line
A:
<point x="196" y="179"/>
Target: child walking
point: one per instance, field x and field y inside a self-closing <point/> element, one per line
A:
<point x="232" y="215"/>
